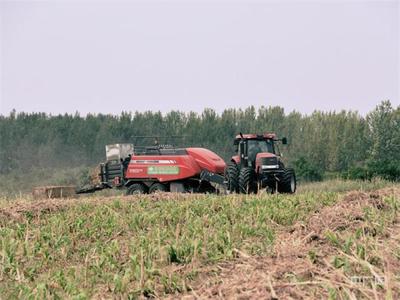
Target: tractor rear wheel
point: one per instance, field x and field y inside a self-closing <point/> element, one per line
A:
<point x="288" y="182"/>
<point x="136" y="189"/>
<point x="157" y="187"/>
<point x="247" y="181"/>
<point x="232" y="176"/>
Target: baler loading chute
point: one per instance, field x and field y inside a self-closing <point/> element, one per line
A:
<point x="116" y="152"/>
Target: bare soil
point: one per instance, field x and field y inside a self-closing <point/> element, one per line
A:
<point x="19" y="209"/>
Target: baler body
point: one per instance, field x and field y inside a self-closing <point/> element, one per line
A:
<point x="161" y="169"/>
<point x="173" y="165"/>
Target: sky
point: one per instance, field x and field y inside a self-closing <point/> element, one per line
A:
<point x="112" y="56"/>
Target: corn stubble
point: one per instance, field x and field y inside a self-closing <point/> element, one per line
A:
<point x="166" y="245"/>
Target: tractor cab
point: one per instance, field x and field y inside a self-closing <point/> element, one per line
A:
<point x="258" y="164"/>
<point x="250" y="148"/>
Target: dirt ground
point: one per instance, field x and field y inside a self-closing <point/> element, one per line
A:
<point x="18" y="209"/>
<point x="289" y="273"/>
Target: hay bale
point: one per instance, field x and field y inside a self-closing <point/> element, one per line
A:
<point x="95" y="176"/>
<point x="50" y="192"/>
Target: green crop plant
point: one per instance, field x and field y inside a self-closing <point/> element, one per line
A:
<point x="154" y="246"/>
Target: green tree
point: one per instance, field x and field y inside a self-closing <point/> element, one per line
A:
<point x="384" y="155"/>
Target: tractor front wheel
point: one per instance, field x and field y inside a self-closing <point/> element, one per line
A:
<point x="247" y="181"/>
<point x="136" y="189"/>
<point x="232" y="176"/>
<point x="288" y="182"/>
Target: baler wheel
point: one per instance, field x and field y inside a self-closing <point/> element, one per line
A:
<point x="247" y="181"/>
<point x="157" y="187"/>
<point x="232" y="176"/>
<point x="136" y="189"/>
<point x="288" y="182"/>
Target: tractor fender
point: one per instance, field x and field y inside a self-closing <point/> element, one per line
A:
<point x="236" y="159"/>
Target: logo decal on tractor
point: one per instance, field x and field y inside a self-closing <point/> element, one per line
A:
<point x="163" y="170"/>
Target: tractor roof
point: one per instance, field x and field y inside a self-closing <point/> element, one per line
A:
<point x="267" y="135"/>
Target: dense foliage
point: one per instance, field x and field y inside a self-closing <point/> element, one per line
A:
<point x="341" y="142"/>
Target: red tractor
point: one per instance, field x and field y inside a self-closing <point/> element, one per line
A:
<point x="258" y="164"/>
<point x="159" y="168"/>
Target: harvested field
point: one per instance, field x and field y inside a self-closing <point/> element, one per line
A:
<point x="18" y="210"/>
<point x="307" y="245"/>
<point x="340" y="251"/>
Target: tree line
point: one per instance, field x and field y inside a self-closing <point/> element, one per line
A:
<point x="343" y="143"/>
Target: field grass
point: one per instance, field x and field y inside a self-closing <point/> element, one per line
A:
<point x="155" y="245"/>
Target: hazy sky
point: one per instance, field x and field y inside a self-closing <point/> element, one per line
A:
<point x="109" y="56"/>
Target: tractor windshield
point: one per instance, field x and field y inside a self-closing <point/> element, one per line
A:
<point x="259" y="146"/>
